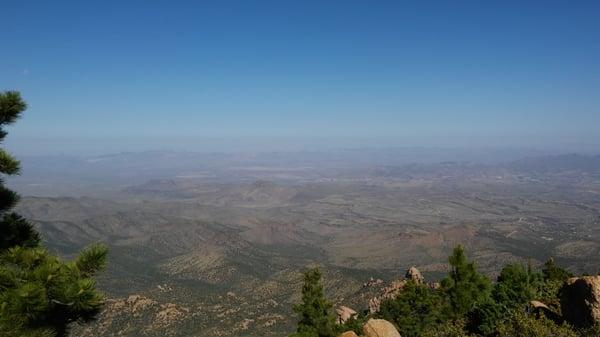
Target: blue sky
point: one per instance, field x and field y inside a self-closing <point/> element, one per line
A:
<point x="275" y="75"/>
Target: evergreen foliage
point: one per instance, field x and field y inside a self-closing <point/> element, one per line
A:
<point x="316" y="318"/>
<point x="17" y="231"/>
<point x="523" y="325"/>
<point x="416" y="308"/>
<point x="464" y="287"/>
<point x="516" y="285"/>
<point x="468" y="305"/>
<point x="552" y="272"/>
<point x="355" y="324"/>
<point x="40" y="295"/>
<point x="448" y="329"/>
<point x="593" y="331"/>
<point x="484" y="317"/>
<point x="14" y="230"/>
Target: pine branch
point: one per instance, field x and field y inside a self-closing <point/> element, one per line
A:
<point x="8" y="199"/>
<point x="8" y="164"/>
<point x="17" y="231"/>
<point x="92" y="259"/>
<point x="11" y="106"/>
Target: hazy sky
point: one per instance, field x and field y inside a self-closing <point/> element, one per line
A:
<point x="136" y="75"/>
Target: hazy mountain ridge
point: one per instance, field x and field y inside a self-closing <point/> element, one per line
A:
<point x="226" y="256"/>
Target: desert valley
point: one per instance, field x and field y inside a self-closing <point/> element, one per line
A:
<point x="215" y="245"/>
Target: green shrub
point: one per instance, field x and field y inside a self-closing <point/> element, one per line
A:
<point x="522" y="325"/>
<point x="416" y="308"/>
<point x="448" y="329"/>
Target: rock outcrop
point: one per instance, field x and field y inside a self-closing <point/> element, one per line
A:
<point x="414" y="274"/>
<point x="380" y="328"/>
<point x="392" y="291"/>
<point x="388" y="292"/>
<point x="580" y="300"/>
<point x="373" y="282"/>
<point x="123" y="314"/>
<point x="343" y="314"/>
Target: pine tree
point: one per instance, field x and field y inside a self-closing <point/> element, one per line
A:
<point x="553" y="272"/>
<point x="316" y="318"/>
<point x="14" y="230"/>
<point x="416" y="308"/>
<point x="464" y="286"/>
<point x="516" y="285"/>
<point x="40" y="295"/>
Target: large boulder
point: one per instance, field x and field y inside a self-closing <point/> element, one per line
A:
<point x="414" y="274"/>
<point x="343" y="314"/>
<point x="380" y="328"/>
<point x="580" y="300"/>
<point x="349" y="334"/>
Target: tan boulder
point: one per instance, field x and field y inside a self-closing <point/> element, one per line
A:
<point x="349" y="334"/>
<point x="580" y="300"/>
<point x="540" y="308"/>
<point x="414" y="274"/>
<point x="343" y="314"/>
<point x="380" y="328"/>
<point x="538" y="305"/>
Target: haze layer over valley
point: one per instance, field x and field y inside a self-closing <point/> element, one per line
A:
<point x="214" y="244"/>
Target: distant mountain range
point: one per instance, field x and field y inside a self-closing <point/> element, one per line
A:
<point x="80" y="175"/>
<point x="557" y="163"/>
<point x="216" y="247"/>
